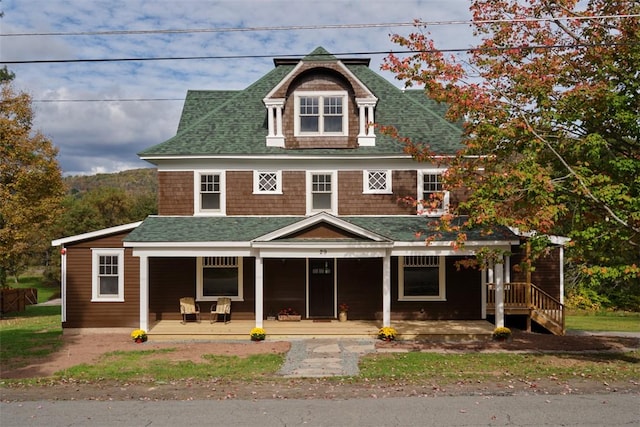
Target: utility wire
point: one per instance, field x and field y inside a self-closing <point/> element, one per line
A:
<point x="417" y="22"/>
<point x="406" y="52"/>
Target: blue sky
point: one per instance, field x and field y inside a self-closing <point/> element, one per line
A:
<point x="96" y="137"/>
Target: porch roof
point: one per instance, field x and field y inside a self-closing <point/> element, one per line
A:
<point x="407" y="229"/>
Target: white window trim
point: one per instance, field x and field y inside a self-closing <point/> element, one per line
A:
<point x="197" y="210"/>
<point x="445" y="201"/>
<point x="442" y="282"/>
<point x="365" y="182"/>
<point x="256" y="180"/>
<point x="321" y="94"/>
<point x="334" y="192"/>
<point x="200" y="288"/>
<point x="96" y="253"/>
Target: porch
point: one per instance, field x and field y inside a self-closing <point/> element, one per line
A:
<point x="439" y="330"/>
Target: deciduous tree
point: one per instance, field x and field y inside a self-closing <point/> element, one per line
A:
<point x="31" y="187"/>
<point x="550" y="100"/>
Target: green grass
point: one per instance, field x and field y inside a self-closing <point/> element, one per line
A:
<point x="154" y="365"/>
<point x="604" y="321"/>
<point x="33" y="333"/>
<point x="416" y="367"/>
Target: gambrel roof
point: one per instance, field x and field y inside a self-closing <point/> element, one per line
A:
<point x="224" y="122"/>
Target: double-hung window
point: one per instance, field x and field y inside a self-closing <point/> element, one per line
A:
<point x="321" y="194"/>
<point x="209" y="190"/>
<point x="219" y="277"/>
<point x="321" y="113"/>
<point x="376" y="181"/>
<point x="267" y="182"/>
<point x="433" y="198"/>
<point x="421" y="278"/>
<point x="107" y="275"/>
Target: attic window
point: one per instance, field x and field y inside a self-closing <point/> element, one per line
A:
<point x="321" y="113"/>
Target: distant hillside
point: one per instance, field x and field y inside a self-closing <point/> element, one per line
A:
<point x="134" y="181"/>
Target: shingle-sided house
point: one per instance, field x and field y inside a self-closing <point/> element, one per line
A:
<point x="284" y="194"/>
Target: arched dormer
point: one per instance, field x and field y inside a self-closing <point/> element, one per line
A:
<point x="320" y="104"/>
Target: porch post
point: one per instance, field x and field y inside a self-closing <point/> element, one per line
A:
<point x="386" y="290"/>
<point x="499" y="276"/>
<point x="144" y="292"/>
<point x="259" y="292"/>
<point x="483" y="293"/>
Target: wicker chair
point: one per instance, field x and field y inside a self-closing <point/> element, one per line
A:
<point x="223" y="306"/>
<point x="189" y="308"/>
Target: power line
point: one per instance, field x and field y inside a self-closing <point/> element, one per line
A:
<point x="322" y="27"/>
<point x="109" y="100"/>
<point x="406" y="52"/>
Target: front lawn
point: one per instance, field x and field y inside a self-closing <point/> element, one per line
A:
<point x="603" y="321"/>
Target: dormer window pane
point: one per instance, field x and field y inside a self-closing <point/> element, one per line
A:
<point x="333" y="114"/>
<point x="309" y="114"/>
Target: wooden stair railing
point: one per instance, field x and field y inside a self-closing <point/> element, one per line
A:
<point x="527" y="298"/>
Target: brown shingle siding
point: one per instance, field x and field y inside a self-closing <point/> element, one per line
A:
<point x="242" y="201"/>
<point x="175" y="193"/>
<point x="352" y="200"/>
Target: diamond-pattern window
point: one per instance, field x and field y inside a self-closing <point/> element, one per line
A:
<point x="377" y="180"/>
<point x="268" y="182"/>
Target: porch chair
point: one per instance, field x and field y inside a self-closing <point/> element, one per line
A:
<point x="223" y="306"/>
<point x="188" y="307"/>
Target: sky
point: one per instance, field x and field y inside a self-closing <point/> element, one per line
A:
<point x="100" y="114"/>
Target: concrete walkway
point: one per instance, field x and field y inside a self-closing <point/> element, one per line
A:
<point x="325" y="357"/>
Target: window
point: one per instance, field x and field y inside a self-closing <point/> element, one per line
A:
<point x="321" y="192"/>
<point x="421" y="278"/>
<point x="219" y="277"/>
<point x="321" y="113"/>
<point x="267" y="182"/>
<point x="434" y="200"/>
<point x="108" y="275"/>
<point x="377" y="181"/>
<point x="209" y="190"/>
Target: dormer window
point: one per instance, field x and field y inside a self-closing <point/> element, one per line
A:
<point x="321" y="113"/>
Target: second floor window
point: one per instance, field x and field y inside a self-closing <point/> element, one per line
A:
<point x="267" y="182"/>
<point x="434" y="200"/>
<point x="321" y="114"/>
<point x="377" y="181"/>
<point x="321" y="192"/>
<point x="209" y="190"/>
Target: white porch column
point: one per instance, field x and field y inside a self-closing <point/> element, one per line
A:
<point x="561" y="261"/>
<point x="259" y="291"/>
<point x="144" y="292"/>
<point x="499" y="276"/>
<point x="507" y="269"/>
<point x="483" y="293"/>
<point x="386" y="290"/>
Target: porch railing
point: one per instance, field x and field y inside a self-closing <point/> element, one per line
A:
<point x="527" y="298"/>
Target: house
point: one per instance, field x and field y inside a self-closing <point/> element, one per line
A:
<point x="284" y="194"/>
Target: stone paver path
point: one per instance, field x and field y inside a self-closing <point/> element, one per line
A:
<point x="325" y="357"/>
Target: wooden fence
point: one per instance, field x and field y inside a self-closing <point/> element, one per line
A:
<point x="12" y="299"/>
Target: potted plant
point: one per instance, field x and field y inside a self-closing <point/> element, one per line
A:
<point x="258" y="334"/>
<point x="138" y="335"/>
<point x="501" y="334"/>
<point x="387" y="333"/>
<point x="342" y="312"/>
<point x="289" y="314"/>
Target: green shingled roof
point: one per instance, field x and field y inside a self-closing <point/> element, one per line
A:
<point x="158" y="229"/>
<point x="235" y="122"/>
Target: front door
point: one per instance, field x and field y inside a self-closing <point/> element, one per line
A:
<point x="321" y="287"/>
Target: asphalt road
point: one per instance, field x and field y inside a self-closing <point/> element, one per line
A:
<point x="522" y="410"/>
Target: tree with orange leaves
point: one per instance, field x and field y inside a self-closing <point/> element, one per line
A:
<point x="550" y="100"/>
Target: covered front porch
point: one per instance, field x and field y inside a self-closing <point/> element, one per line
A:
<point x="442" y="330"/>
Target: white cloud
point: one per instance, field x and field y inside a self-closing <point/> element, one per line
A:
<point x="104" y="136"/>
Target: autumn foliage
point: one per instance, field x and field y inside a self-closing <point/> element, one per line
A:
<point x="550" y="101"/>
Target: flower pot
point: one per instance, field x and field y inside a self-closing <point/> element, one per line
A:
<point x="138" y="340"/>
<point x="289" y="317"/>
<point x="342" y="316"/>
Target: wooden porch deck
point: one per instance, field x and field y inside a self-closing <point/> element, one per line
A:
<point x="443" y="330"/>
